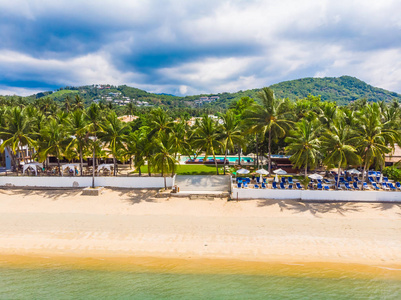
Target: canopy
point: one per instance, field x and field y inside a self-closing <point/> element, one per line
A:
<point x="243" y="171"/>
<point x="33" y="166"/>
<point x="353" y="171"/>
<point x="105" y="166"/>
<point x="71" y="167"/>
<point x="315" y="176"/>
<point x="279" y="172"/>
<point x="262" y="171"/>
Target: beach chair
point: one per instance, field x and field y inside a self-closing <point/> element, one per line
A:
<point x="290" y="180"/>
<point x="263" y="185"/>
<point x="258" y="179"/>
<point x="349" y="179"/>
<point x="274" y="185"/>
<point x="385" y="179"/>
<point x="375" y="187"/>
<point x="355" y="185"/>
<point x="283" y="180"/>
<point x="248" y="180"/>
<point x="377" y="178"/>
<point x="346" y="184"/>
<point x="371" y="180"/>
<point x="319" y="186"/>
<point x="319" y="181"/>
<point x="384" y="186"/>
<point x="264" y="180"/>
<point x="290" y="186"/>
<point x="326" y="188"/>
<point x="255" y="186"/>
<point x="282" y="186"/>
<point x="326" y="180"/>
<point x="239" y="185"/>
<point x="342" y="180"/>
<point x="356" y="179"/>
<point x="391" y="186"/>
<point x="298" y="185"/>
<point x="365" y="186"/>
<point x="398" y="185"/>
<point x="245" y="184"/>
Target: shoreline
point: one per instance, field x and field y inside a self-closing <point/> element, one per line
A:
<point x="130" y="224"/>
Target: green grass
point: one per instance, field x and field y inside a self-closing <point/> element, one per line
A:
<point x="61" y="93"/>
<point x="192" y="170"/>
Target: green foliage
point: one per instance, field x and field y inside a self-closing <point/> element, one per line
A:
<point x="392" y="173"/>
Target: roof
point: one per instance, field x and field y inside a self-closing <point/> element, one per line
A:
<point x="395" y="156"/>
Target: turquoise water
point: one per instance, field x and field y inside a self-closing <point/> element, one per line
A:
<point x="230" y="159"/>
<point x="25" y="283"/>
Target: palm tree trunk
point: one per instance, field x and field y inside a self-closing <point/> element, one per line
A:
<point x="81" y="159"/>
<point x="338" y="178"/>
<point x="215" y="162"/>
<point x="270" y="150"/>
<point x="225" y="157"/>
<point x="115" y="164"/>
<point x="94" y="163"/>
<point x="239" y="155"/>
<point x="363" y="172"/>
<point x="306" y="170"/>
<point x="59" y="167"/>
<point x="149" y="173"/>
<point x="257" y="152"/>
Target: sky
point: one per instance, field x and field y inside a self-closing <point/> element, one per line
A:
<point x="188" y="47"/>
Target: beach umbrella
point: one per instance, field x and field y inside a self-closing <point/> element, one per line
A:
<point x="279" y="172"/>
<point x="354" y="171"/>
<point x="316" y="176"/>
<point x="243" y="171"/>
<point x="262" y="172"/>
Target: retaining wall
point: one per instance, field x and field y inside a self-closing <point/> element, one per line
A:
<point x="77" y="181"/>
<point x="313" y="195"/>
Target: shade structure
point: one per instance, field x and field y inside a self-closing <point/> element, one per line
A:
<point x="105" y="166"/>
<point x="354" y="171"/>
<point x="262" y="171"/>
<point x="315" y="176"/>
<point x="243" y="171"/>
<point x="33" y="166"/>
<point x="279" y="172"/>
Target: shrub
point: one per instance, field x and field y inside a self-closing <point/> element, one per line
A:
<point x="392" y="173"/>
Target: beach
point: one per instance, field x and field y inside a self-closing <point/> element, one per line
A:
<point x="123" y="223"/>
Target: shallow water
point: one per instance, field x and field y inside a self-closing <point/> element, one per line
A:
<point x="57" y="282"/>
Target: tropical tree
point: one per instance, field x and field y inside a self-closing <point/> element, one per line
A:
<point x="372" y="139"/>
<point x="94" y="117"/>
<point x="337" y="146"/>
<point x="164" y="160"/>
<point x="16" y="133"/>
<point x="231" y="134"/>
<point x="113" y="133"/>
<point x="136" y="146"/>
<point x="304" y="145"/>
<point x="77" y="126"/>
<point x="271" y="118"/>
<point x="206" y="138"/>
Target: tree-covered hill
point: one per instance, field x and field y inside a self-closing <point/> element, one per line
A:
<point x="342" y="89"/>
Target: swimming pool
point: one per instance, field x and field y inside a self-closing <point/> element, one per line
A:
<point x="229" y="158"/>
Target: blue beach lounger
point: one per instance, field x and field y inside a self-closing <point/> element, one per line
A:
<point x="282" y="186"/>
<point x="347" y="186"/>
<point x="263" y="185"/>
<point x="255" y="186"/>
<point x="355" y="185"/>
<point x="326" y="180"/>
<point x="375" y="187"/>
<point x="239" y="185"/>
<point x="274" y="185"/>
<point x="290" y="180"/>
<point x="365" y="186"/>
<point x="326" y="188"/>
<point x="319" y="186"/>
<point x="384" y="186"/>
<point x="398" y="185"/>
<point x="391" y="186"/>
<point x="299" y="186"/>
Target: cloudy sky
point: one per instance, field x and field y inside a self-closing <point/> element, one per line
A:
<point x="189" y="47"/>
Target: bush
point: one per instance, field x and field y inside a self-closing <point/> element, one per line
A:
<point x="392" y="173"/>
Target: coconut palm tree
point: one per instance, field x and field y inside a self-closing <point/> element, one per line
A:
<point x="77" y="126"/>
<point x="53" y="141"/>
<point x="231" y="134"/>
<point x="337" y="146"/>
<point x="164" y="160"/>
<point x="206" y="138"/>
<point x="304" y="145"/>
<point x="94" y="117"/>
<point x="16" y="133"/>
<point x="136" y="146"/>
<point x="113" y="133"/>
<point x="271" y="119"/>
<point x="372" y="139"/>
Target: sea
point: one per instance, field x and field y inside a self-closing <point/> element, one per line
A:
<point x="60" y="280"/>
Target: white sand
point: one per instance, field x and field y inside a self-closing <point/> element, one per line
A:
<point x="135" y="223"/>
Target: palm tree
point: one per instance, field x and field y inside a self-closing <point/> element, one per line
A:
<point x="78" y="102"/>
<point x="77" y="126"/>
<point x="164" y="159"/>
<point x="17" y="133"/>
<point x="231" y="134"/>
<point x="372" y="138"/>
<point x="93" y="117"/>
<point x="136" y="145"/>
<point x="54" y="140"/>
<point x="113" y="133"/>
<point x="304" y="145"/>
<point x="206" y="138"/>
<point x="271" y="118"/>
<point x="337" y="146"/>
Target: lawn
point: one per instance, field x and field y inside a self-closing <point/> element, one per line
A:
<point x="192" y="170"/>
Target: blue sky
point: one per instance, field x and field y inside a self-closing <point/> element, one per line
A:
<point x="191" y="47"/>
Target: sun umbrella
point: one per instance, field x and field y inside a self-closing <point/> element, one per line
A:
<point x="276" y="179"/>
<point x="354" y="171"/>
<point x="243" y="171"/>
<point x="279" y="172"/>
<point x="262" y="171"/>
<point x="315" y="176"/>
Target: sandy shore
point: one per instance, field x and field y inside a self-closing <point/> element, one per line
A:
<point x="122" y="223"/>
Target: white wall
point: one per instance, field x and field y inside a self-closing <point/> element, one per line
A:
<point x="316" y="195"/>
<point x="125" y="182"/>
